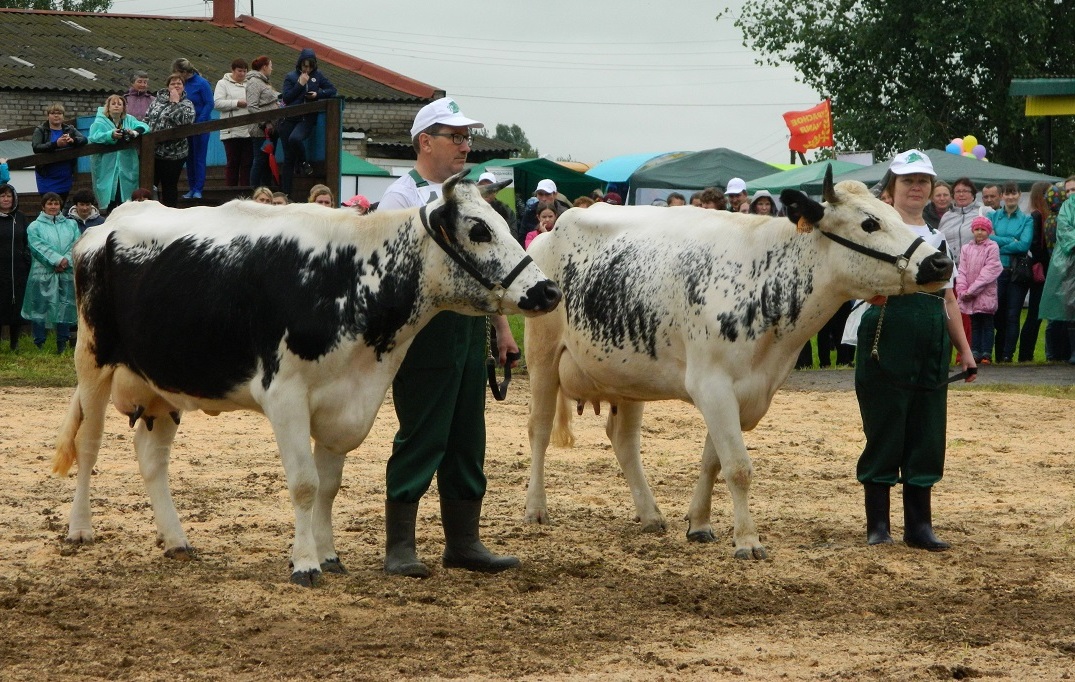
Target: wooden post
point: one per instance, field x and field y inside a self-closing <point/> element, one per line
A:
<point x="333" y="135"/>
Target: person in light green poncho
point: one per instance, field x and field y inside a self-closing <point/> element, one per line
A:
<point x="1058" y="296"/>
<point x="115" y="174"/>
<point x="50" y="290"/>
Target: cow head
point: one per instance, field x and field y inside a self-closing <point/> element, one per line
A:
<point x="490" y="269"/>
<point x="890" y="259"/>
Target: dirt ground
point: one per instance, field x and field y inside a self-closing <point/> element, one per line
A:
<point x="595" y="598"/>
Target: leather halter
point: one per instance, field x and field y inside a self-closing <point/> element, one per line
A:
<point x="901" y="262"/>
<point x="498" y="288"/>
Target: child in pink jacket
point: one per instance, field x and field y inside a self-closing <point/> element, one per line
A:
<point x="976" y="286"/>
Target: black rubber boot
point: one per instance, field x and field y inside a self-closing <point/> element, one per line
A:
<point x="1071" y="342"/>
<point x="462" y="547"/>
<point x="401" y="558"/>
<point x="878" y="529"/>
<point x="918" y="520"/>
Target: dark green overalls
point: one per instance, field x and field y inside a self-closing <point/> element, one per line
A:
<point x="439" y="396"/>
<point x="904" y="413"/>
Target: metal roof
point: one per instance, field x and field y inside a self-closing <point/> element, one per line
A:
<point x="1042" y="86"/>
<point x="84" y="52"/>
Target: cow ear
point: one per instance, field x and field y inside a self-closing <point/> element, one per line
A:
<point x="440" y="219"/>
<point x="801" y="208"/>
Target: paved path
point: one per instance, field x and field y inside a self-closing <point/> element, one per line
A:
<point x="1053" y="374"/>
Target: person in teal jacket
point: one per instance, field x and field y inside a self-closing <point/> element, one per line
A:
<point x="50" y="290"/>
<point x="1013" y="231"/>
<point x="115" y="174"/>
<point x="1058" y="297"/>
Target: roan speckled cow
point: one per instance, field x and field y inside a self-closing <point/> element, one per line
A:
<point x="704" y="306"/>
<point x="302" y="313"/>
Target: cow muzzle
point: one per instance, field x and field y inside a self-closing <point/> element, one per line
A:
<point x="542" y="297"/>
<point x="934" y="268"/>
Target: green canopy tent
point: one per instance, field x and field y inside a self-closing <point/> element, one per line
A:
<point x="353" y="165"/>
<point x="949" y="168"/>
<point x="526" y="174"/>
<point x="358" y="176"/>
<point x="795" y="177"/>
<point x="708" y="168"/>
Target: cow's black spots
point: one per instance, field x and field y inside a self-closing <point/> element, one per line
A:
<point x="613" y="297"/>
<point x="768" y="293"/>
<point x="201" y="317"/>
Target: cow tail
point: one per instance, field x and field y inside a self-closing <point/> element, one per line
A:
<point x="66" y="451"/>
<point x="562" y="435"/>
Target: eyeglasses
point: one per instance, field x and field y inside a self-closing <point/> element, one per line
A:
<point x="457" y="138"/>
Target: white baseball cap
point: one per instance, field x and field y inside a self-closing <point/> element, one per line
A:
<point x="486" y="177"/>
<point x="736" y="186"/>
<point x="547" y="186"/>
<point x="911" y="161"/>
<point x="443" y="111"/>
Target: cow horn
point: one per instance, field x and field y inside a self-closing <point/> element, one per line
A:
<point x="828" y="192"/>
<point x="449" y="185"/>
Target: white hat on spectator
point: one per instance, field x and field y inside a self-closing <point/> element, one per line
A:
<point x="736" y="186"/>
<point x="547" y="186"/>
<point x="486" y="177"/>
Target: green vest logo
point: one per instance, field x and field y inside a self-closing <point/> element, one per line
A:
<point x="453" y="107"/>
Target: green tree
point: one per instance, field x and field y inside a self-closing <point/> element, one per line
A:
<point x="59" y="5"/>
<point x="515" y="136"/>
<point x="899" y="78"/>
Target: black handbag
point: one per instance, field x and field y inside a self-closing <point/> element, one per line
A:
<point x="1022" y="271"/>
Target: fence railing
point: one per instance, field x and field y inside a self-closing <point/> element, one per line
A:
<point x="147" y="143"/>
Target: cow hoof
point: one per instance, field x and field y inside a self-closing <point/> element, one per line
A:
<point x="333" y="566"/>
<point x="701" y="536"/>
<point x="657" y="526"/>
<point x="185" y="553"/>
<point x="751" y="553"/>
<point x="80" y="537"/>
<point x="540" y="517"/>
<point x="310" y="578"/>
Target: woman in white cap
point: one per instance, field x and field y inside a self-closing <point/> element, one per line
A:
<point x="901" y="378"/>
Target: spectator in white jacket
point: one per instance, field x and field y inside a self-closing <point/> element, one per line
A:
<point x="229" y="98"/>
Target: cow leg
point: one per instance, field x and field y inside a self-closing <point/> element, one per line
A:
<point x="544" y="399"/>
<point x="700" y="514"/>
<point x="329" y="475"/>
<point x="154" y="450"/>
<point x="290" y="421"/>
<point x="624" y="430"/>
<point x="95" y="385"/>
<point x="725" y="450"/>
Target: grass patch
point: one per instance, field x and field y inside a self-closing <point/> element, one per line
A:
<point x="32" y="366"/>
<point x="1062" y="392"/>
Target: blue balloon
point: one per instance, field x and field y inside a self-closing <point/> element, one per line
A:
<point x="954" y="148"/>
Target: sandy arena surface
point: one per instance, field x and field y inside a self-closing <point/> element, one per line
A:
<point x="596" y="599"/>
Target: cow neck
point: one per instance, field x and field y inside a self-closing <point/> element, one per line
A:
<point x="440" y="237"/>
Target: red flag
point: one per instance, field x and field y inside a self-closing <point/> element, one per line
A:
<point x="810" y="129"/>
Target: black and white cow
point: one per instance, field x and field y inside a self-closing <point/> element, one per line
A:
<point x="303" y="313"/>
<point x="707" y="307"/>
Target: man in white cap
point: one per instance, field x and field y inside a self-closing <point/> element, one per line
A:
<point x="439" y="391"/>
<point x="486" y="179"/>
<point x="736" y="193"/>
